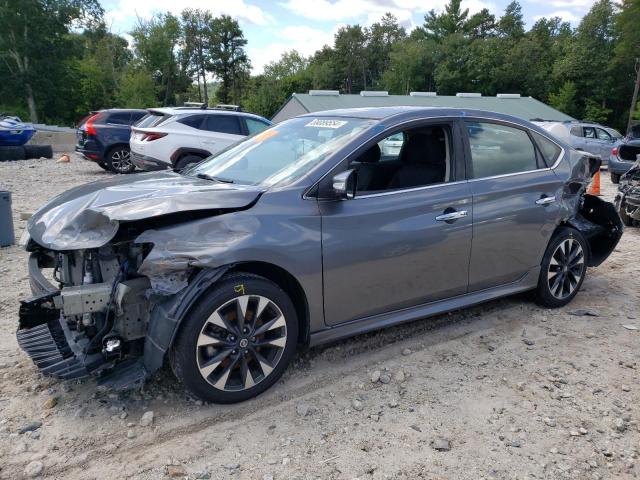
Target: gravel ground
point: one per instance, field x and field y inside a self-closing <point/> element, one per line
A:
<point x="506" y="390"/>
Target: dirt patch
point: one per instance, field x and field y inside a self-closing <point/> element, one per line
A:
<point x="504" y="390"/>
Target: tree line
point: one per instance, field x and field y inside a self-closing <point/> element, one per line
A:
<point x="59" y="60"/>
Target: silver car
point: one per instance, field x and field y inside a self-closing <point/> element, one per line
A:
<point x="226" y="268"/>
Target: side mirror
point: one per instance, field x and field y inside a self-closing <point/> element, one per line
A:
<point x="345" y="184"/>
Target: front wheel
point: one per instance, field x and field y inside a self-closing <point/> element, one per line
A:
<point x="564" y="266"/>
<point x="237" y="340"/>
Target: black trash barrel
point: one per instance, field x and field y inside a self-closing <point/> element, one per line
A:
<point x="6" y="220"/>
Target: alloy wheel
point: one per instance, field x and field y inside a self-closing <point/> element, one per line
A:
<point x="241" y="343"/>
<point x="121" y="160"/>
<point x="566" y="268"/>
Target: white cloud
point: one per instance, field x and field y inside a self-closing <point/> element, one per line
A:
<point x="306" y="40"/>
<point x="327" y="10"/>
<point x="563" y="14"/>
<point x="238" y="9"/>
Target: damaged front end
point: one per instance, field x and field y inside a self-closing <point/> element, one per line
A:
<point x="628" y="196"/>
<point x="96" y="316"/>
<point x="93" y="297"/>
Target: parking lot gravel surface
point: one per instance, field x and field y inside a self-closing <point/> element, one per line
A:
<point x="505" y="390"/>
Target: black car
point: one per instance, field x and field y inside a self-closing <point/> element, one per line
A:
<point x="103" y="137"/>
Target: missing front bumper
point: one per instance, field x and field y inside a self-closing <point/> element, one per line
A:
<point x="42" y="336"/>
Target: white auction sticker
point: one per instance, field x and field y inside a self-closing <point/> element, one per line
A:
<point x="318" y="123"/>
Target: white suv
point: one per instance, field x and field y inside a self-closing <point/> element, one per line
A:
<point x="176" y="137"/>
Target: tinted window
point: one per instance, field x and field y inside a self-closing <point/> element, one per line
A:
<point x="152" y="120"/>
<point x="135" y="116"/>
<point x="255" y="126"/>
<point x="576" y="131"/>
<point x="119" y="118"/>
<point x="193" y="121"/>
<point x="498" y="150"/>
<point x="550" y="150"/>
<point x="589" y="132"/>
<point x="223" y="124"/>
<point x="603" y="134"/>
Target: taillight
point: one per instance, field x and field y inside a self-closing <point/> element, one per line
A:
<point x="614" y="151"/>
<point x="150" y="137"/>
<point x="89" y="127"/>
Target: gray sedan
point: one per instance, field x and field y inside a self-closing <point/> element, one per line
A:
<point x="306" y="233"/>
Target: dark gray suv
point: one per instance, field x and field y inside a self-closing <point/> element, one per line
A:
<point x="308" y="232"/>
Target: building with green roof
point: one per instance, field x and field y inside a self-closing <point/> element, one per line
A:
<point x="527" y="108"/>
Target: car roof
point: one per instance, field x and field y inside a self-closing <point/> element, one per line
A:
<point x="124" y="110"/>
<point x="399" y="113"/>
<point x="206" y="111"/>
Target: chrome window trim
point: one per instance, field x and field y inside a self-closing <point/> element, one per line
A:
<point x="306" y="196"/>
<point x="408" y="190"/>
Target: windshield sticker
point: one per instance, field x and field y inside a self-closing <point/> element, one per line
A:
<point x="261" y="137"/>
<point x="326" y="123"/>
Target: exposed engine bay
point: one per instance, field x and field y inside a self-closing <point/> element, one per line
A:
<point x="97" y="316"/>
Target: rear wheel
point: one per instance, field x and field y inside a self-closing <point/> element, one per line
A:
<point x="187" y="160"/>
<point x="119" y="160"/>
<point x="237" y="341"/>
<point x="615" y="178"/>
<point x="564" y="267"/>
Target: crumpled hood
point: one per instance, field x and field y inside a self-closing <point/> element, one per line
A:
<point x="88" y="216"/>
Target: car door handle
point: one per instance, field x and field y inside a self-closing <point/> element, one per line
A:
<point x="545" y="200"/>
<point x="450" y="216"/>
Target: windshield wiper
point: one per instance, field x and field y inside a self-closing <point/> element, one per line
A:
<point x="204" y="176"/>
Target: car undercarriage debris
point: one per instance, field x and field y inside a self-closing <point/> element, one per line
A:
<point x="628" y="197"/>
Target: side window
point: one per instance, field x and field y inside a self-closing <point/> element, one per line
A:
<point x="223" y="124"/>
<point x="589" y="132"/>
<point x="390" y="147"/>
<point x="135" y="116"/>
<point x="498" y="150"/>
<point x="193" y="121"/>
<point x="603" y="134"/>
<point x="255" y="126"/>
<point x="407" y="159"/>
<point x="549" y="149"/>
<point x="576" y="131"/>
<point x="119" y="118"/>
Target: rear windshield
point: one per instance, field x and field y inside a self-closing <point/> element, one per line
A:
<point x="152" y="119"/>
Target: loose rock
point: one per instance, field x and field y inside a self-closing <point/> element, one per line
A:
<point x="441" y="444"/>
<point x="147" y="419"/>
<point x="375" y="376"/>
<point x="33" y="426"/>
<point x="385" y="378"/>
<point x="34" y="469"/>
<point x="357" y="405"/>
<point x="406" y="351"/>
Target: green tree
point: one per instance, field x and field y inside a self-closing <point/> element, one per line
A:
<point x="156" y="45"/>
<point x="35" y="48"/>
<point x="136" y="89"/>
<point x="382" y="36"/>
<point x="565" y="99"/>
<point x="453" y="20"/>
<point x="229" y="61"/>
<point x="511" y="24"/>
<point x="410" y="67"/>
<point x="350" y="46"/>
<point x="196" y="38"/>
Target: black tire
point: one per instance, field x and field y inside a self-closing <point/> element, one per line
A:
<point x="11" y="153"/>
<point x="187" y="358"/>
<point x="547" y="294"/>
<point x="38" y="151"/>
<point x="187" y="160"/>
<point x="118" y="160"/>
<point x="615" y="178"/>
<point x="104" y="166"/>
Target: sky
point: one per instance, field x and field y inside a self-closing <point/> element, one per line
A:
<point x="274" y="27"/>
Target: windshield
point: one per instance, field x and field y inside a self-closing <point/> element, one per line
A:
<point x="282" y="154"/>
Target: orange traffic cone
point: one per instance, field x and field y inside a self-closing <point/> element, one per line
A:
<point x="594" y="187"/>
<point x="65" y="158"/>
